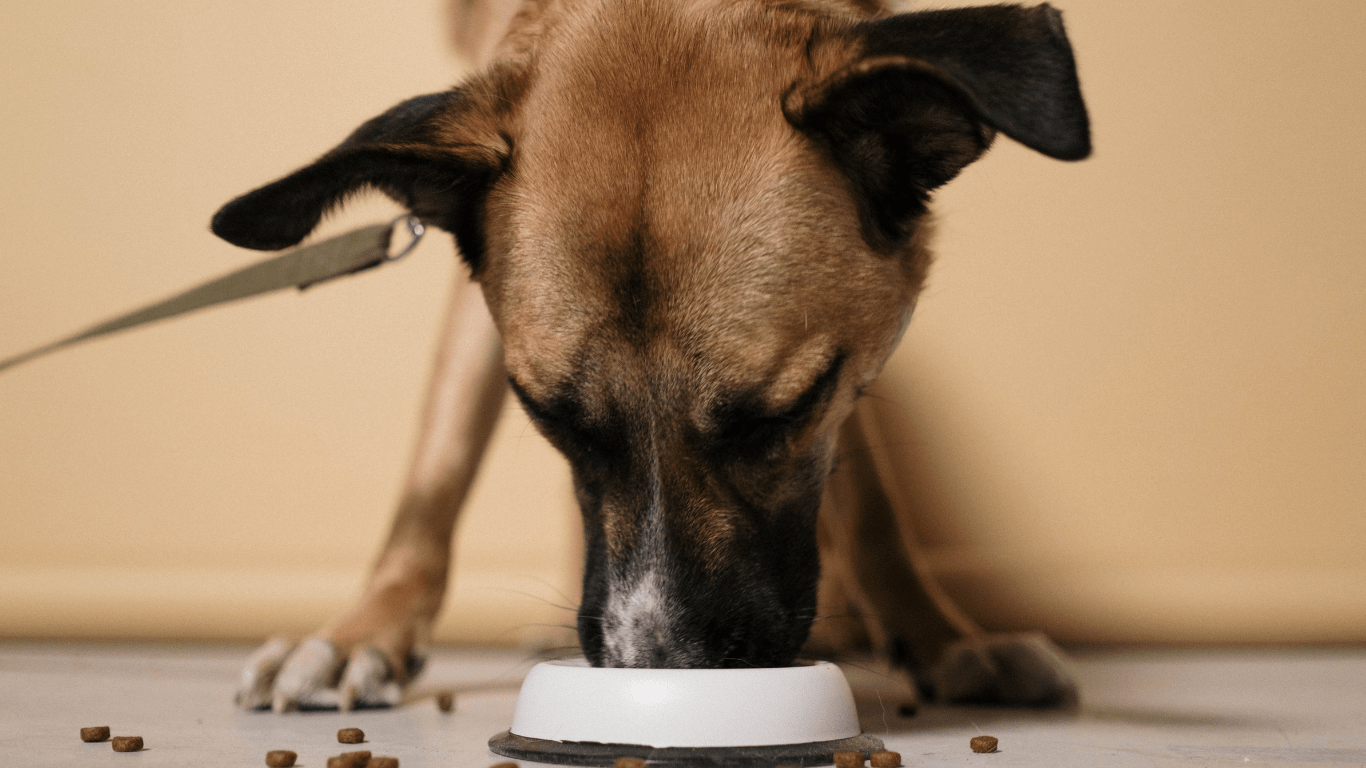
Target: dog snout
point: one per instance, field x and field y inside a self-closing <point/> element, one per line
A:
<point x="661" y="612"/>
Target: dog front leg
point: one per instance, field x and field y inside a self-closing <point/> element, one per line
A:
<point x="869" y="552"/>
<point x="368" y="654"/>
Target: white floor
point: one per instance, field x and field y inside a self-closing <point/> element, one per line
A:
<point x="1140" y="708"/>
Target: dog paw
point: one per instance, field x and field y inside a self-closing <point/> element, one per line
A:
<point x="285" y="676"/>
<point x="1024" y="670"/>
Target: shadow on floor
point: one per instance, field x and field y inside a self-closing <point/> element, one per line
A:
<point x="887" y="705"/>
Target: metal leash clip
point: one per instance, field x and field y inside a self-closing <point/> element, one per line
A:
<point x="416" y="229"/>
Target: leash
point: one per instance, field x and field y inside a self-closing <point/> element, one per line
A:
<point x="302" y="268"/>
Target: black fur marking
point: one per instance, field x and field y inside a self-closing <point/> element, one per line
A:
<point x="927" y="95"/>
<point x="1013" y="64"/>
<point x="400" y="154"/>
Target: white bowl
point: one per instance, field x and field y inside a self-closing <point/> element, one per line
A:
<point x="570" y="701"/>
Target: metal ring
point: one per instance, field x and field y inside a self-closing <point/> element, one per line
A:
<point x="416" y="229"/>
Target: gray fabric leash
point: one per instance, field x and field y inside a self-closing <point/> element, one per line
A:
<point x="346" y="254"/>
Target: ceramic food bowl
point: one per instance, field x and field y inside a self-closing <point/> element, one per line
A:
<point x="675" y="715"/>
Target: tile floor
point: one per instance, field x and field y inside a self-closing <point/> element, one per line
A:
<point x="1140" y="708"/>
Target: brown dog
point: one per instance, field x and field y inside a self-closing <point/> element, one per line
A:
<point x="700" y="229"/>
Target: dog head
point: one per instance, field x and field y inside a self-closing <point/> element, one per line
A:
<point x="700" y="229"/>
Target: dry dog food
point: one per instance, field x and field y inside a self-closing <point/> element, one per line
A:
<point x="628" y="762"/>
<point x="983" y="743"/>
<point x="445" y="701"/>
<point x="382" y="762"/>
<point x="508" y="764"/>
<point x="884" y="758"/>
<point x="127" y="743"/>
<point x="280" y="758"/>
<point x="350" y="735"/>
<point x="848" y="760"/>
<point x="349" y="760"/>
<point x="98" y="733"/>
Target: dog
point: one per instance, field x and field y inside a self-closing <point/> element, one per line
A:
<point x="696" y="230"/>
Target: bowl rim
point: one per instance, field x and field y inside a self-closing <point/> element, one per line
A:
<point x="568" y="700"/>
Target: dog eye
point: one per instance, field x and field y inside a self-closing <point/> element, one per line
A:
<point x="756" y="435"/>
<point x="553" y="416"/>
<point x="560" y="422"/>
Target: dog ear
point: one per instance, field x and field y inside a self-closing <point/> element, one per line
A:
<point x="435" y="154"/>
<point x="925" y="94"/>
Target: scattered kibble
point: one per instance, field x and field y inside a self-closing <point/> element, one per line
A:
<point x="445" y="701"/>
<point x="98" y="733"/>
<point x="848" y="760"/>
<point x="127" y="743"/>
<point x="628" y="762"/>
<point x="350" y="735"/>
<point x="280" y="758"/>
<point x="382" y="762"/>
<point x="508" y="764"/>
<point x="983" y="744"/>
<point x="884" y="758"/>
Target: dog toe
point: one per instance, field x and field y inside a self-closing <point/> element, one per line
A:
<point x="368" y="681"/>
<point x="1013" y="670"/>
<point x="255" y="686"/>
<point x="308" y="677"/>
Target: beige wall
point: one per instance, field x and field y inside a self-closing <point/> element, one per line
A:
<point x="1131" y="404"/>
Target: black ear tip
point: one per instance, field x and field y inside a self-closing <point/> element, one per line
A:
<point x="248" y="223"/>
<point x="1078" y="148"/>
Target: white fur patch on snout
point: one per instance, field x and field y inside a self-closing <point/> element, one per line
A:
<point x="640" y="621"/>
<point x="637" y="631"/>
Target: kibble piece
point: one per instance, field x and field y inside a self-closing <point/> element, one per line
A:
<point x="848" y="760"/>
<point x="884" y="758"/>
<point x="628" y="762"/>
<point x="98" y="733"/>
<point x="280" y="758"/>
<point x="127" y="743"/>
<point x="350" y="735"/>
<point x="349" y="760"/>
<point x="382" y="762"/>
<point x="983" y="743"/>
<point x="907" y="710"/>
<point x="445" y="701"/>
<point x="508" y="764"/>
